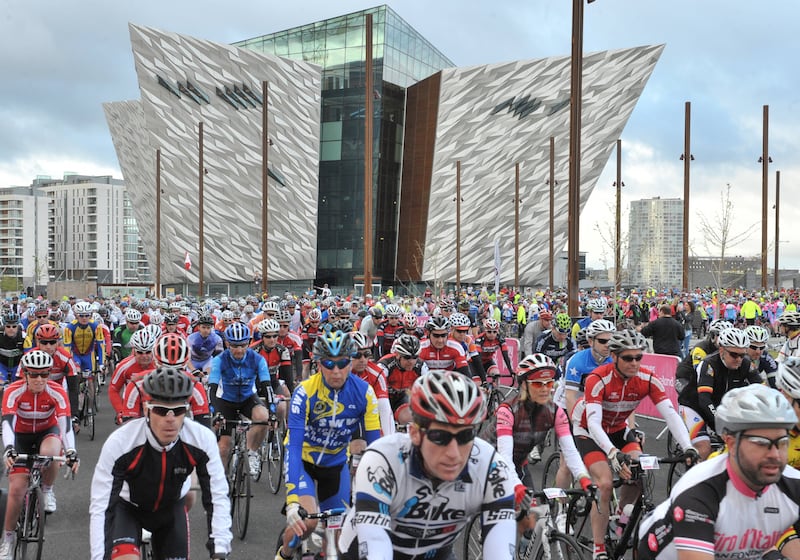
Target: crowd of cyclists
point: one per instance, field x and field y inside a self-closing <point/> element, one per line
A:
<point x="389" y="413"/>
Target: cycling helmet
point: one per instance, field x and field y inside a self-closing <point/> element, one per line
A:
<point x="447" y="397"/>
<point x="752" y="407"/>
<point x="143" y="340"/>
<point x="580" y="339"/>
<point x="491" y="325"/>
<point x="227" y="315"/>
<point x="361" y="340"/>
<point x="410" y="321"/>
<point x="64" y="306"/>
<point x="790" y="319"/>
<point x="10" y="318"/>
<point x="438" y="324"/>
<point x="171" y="350"/>
<point x="333" y="344"/>
<point x="283" y="316"/>
<point x="233" y="306"/>
<point x="596" y="306"/>
<point x="627" y="340"/>
<point x="393" y="310"/>
<point x="376" y="312"/>
<point x="237" y="333"/>
<point x="344" y="325"/>
<point x="406" y="346"/>
<point x="315" y="315"/>
<point x="563" y="322"/>
<point x="545" y="315"/>
<point x="154" y="330"/>
<point x="168" y="384"/>
<point x="42" y="309"/>
<point x="342" y="313"/>
<point x="789" y="376"/>
<point x="133" y="316"/>
<point x="205" y="320"/>
<point x="536" y="366"/>
<point x="717" y="326"/>
<point x="757" y="334"/>
<point x="270" y="307"/>
<point x="600" y="326"/>
<point x="170" y="319"/>
<point x="83" y="308"/>
<point x="156" y="318"/>
<point x="267" y="326"/>
<point x="459" y="320"/>
<point x="36" y="359"/>
<point x="733" y="338"/>
<point x="48" y="332"/>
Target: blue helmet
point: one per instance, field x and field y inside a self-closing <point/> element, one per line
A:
<point x="237" y="333"/>
<point x="333" y="344"/>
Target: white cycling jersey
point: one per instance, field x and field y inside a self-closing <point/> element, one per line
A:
<point x="399" y="512"/>
<point x="711" y="510"/>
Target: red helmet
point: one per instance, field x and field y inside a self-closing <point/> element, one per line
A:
<point x="448" y="397"/>
<point x="171" y="350"/>
<point x="48" y="332"/>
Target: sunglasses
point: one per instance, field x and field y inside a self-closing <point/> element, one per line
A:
<point x="440" y="335"/>
<point x="83" y="316"/>
<point x="244" y="345"/>
<point x="443" y="437"/>
<point x="542" y="383"/>
<point x="269" y="336"/>
<point x="39" y="374"/>
<point x="143" y="352"/>
<point x="364" y="354"/>
<point x="736" y="355"/>
<point x="491" y="332"/>
<point x="330" y="364"/>
<point x="602" y="341"/>
<point x="765" y="444"/>
<point x="462" y="331"/>
<point x="47" y="342"/>
<point x="159" y="410"/>
<point x="756" y="347"/>
<point x="11" y="326"/>
<point x="564" y="331"/>
<point x="636" y="358"/>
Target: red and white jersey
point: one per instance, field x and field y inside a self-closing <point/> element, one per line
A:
<point x="63" y="365"/>
<point x="134" y="397"/>
<point x="373" y="375"/>
<point x="291" y="341"/>
<point x="450" y="357"/>
<point x="127" y="371"/>
<point x="31" y="413"/>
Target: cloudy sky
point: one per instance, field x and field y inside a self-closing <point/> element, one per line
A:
<point x="61" y="59"/>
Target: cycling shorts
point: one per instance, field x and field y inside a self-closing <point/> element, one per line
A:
<point x="169" y="528"/>
<point x="231" y="410"/>
<point x="330" y="485"/>
<point x="624" y="440"/>
<point x="30" y="444"/>
<point x="695" y="424"/>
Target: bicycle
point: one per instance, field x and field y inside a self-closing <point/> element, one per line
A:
<point x="87" y="401"/>
<point x="550" y="528"/>
<point x="331" y="521"/>
<point x="495" y="393"/>
<point x="678" y="469"/>
<point x="271" y="453"/>
<point x="31" y="520"/>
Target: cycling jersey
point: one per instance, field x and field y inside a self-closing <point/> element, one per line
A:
<point x="121" y="340"/>
<point x="134" y="470"/>
<point x="308" y="335"/>
<point x="134" y="397"/>
<point x="374" y="376"/>
<point x="767" y="369"/>
<point x="30" y="331"/>
<point x="386" y="335"/>
<point x="26" y="412"/>
<point x="10" y="355"/>
<point x="321" y="423"/>
<point x="556" y="350"/>
<point x="450" y="357"/>
<point x="581" y="364"/>
<point x="794" y="447"/>
<point x="86" y="344"/>
<point x="398" y="379"/>
<point x="127" y="371"/>
<point x="236" y="380"/>
<point x="712" y="511"/>
<point x="488" y="348"/>
<point x="202" y="349"/>
<point x="279" y="362"/>
<point x="790" y="348"/>
<point x="400" y="513"/>
<point x="291" y="341"/>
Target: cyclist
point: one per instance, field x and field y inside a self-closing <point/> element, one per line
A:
<point x="308" y="335"/>
<point x="719" y="372"/>
<point x="534" y="329"/>
<point x="326" y="410"/>
<point x="459" y="332"/>
<point x="789" y="324"/>
<point x="291" y="341"/>
<point x="596" y="309"/>
<point x="11" y="342"/>
<point x="35" y="420"/>
<point x="488" y="343"/>
<point x="583" y="362"/>
<point x="401" y="368"/>
<point x="556" y="343"/>
<point x="740" y="503"/>
<point x="686" y="368"/>
<point x="411" y="326"/>
<point x="612" y="393"/>
<point x="369" y="371"/>
<point x="121" y="338"/>
<point x="64" y="371"/>
<point x="238" y="377"/>
<point x="761" y="361"/>
<point x="439" y="352"/>
<point x="40" y="313"/>
<point x="204" y="344"/>
<point x="84" y="338"/>
<point x="279" y="360"/>
<point x="788" y="381"/>
<point x="143" y="474"/>
<point x="132" y="368"/>
<point x="388" y="331"/>
<point x="414" y="492"/>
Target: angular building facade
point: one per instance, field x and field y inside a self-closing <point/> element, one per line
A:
<point x="427" y="115"/>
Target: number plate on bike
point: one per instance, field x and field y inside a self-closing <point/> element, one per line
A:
<point x="553" y="493"/>
<point x="335" y="521"/>
<point x="87" y="374"/>
<point x="649" y="462"/>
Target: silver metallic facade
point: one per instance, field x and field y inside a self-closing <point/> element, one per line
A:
<point x="493" y="116"/>
<point x="184" y="81"/>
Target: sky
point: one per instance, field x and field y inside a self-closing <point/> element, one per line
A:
<point x="61" y="59"/>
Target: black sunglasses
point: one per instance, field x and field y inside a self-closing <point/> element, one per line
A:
<point x="602" y="341"/>
<point x="159" y="410"/>
<point x="269" y="336"/>
<point x="364" y="354"/>
<point x="435" y="335"/>
<point x="756" y="347"/>
<point x="47" y="342"/>
<point x="443" y="437"/>
<point x="232" y="345"/>
<point x="636" y="358"/>
<point x="736" y="355"/>
<point x="37" y="373"/>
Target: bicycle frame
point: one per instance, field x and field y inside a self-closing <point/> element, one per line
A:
<point x="332" y="520"/>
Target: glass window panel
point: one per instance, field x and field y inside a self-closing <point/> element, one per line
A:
<point x="336" y="35"/>
<point x="378" y="33"/>
<point x="355" y="34"/>
<point x="331" y="131"/>
<point x="335" y="57"/>
<point x="330" y="151"/>
<point x="295" y="41"/>
<point x="345" y="258"/>
<point x="282" y="44"/>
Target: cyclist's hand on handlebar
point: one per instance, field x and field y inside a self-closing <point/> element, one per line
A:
<point x="218" y="420"/>
<point x="294" y="519"/>
<point x="691" y="456"/>
<point x="620" y="463"/>
<point x="72" y="461"/>
<point x="10" y="455"/>
<point x="589" y="487"/>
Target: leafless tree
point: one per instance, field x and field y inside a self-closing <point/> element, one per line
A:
<point x="607" y="230"/>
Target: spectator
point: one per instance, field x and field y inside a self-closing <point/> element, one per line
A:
<point x="666" y="333"/>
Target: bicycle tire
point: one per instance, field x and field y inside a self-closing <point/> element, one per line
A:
<point x="673" y="447"/>
<point x="298" y="554"/>
<point x="550" y="470"/>
<point x="275" y="460"/>
<point x="30" y="527"/>
<point x="262" y="452"/>
<point x="472" y="545"/>
<point x="563" y="547"/>
<point x="241" y="503"/>
<point x="578" y="524"/>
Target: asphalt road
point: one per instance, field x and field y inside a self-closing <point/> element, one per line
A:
<point x="67" y="530"/>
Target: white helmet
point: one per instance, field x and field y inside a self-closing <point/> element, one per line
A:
<point x="734" y="338"/>
<point x="757" y="334"/>
<point x="600" y="326"/>
<point x="133" y="316"/>
<point x="754" y="407"/>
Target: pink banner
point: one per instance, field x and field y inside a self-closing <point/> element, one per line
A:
<point x="663" y="367"/>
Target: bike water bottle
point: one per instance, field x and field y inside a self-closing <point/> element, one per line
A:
<point x="524" y="542"/>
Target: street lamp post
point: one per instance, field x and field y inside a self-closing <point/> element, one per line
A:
<point x="516" y="226"/>
<point x="777" y="224"/>
<point x="264" y="185"/>
<point x="765" y="161"/>
<point x="552" y="182"/>
<point x="687" y="158"/>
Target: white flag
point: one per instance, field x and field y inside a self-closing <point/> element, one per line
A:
<point x="496" y="266"/>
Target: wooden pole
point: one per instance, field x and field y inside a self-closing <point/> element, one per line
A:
<point x="264" y="185"/>
<point x="368" y="158"/>
<point x="618" y="230"/>
<point x="158" y="223"/>
<point x="552" y="182"/>
<point x="777" y="225"/>
<point x="687" y="158"/>
<point x="764" y="197"/>
<point x="575" y="100"/>
<point x="201" y="236"/>
<point x="458" y="225"/>
<point x="516" y="227"/>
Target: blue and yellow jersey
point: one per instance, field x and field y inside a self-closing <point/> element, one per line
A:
<point x="30" y="331"/>
<point x="83" y="339"/>
<point x="322" y="421"/>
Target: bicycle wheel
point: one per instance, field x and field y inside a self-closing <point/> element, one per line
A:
<point x="563" y="547"/>
<point x="676" y="471"/>
<point x="551" y="466"/>
<point x="91" y="409"/>
<point x="275" y="460"/>
<point x="262" y="455"/>
<point x="473" y="547"/>
<point x="241" y="497"/>
<point x="578" y="523"/>
<point x="30" y="527"/>
<point x="673" y="448"/>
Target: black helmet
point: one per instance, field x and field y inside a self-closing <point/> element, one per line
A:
<point x="168" y="384"/>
